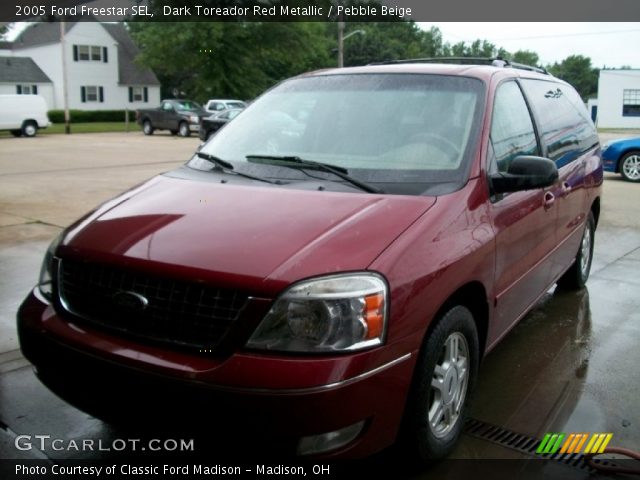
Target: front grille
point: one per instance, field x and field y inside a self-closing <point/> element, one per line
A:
<point x="178" y="313"/>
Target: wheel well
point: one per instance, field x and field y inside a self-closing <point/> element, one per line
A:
<point x="595" y="209"/>
<point x="474" y="297"/>
<point x="28" y="121"/>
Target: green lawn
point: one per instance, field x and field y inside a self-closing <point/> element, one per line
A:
<point x="94" y="127"/>
<point x="97" y="127"/>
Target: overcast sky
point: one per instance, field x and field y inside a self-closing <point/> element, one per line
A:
<point x="607" y="44"/>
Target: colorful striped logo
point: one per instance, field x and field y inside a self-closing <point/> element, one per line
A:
<point x="573" y="442"/>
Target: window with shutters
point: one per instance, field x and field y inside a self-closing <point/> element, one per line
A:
<point x="137" y="94"/>
<point x="89" y="53"/>
<point x="27" y="89"/>
<point x="91" y="93"/>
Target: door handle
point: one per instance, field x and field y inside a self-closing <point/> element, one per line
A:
<point x="549" y="200"/>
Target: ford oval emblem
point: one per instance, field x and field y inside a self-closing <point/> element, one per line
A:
<point x="130" y="301"/>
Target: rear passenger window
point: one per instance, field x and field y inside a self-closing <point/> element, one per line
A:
<point x="565" y="126"/>
<point x="512" y="132"/>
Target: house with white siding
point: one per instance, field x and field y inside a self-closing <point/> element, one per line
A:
<point x="21" y="75"/>
<point x="619" y="98"/>
<point x="99" y="59"/>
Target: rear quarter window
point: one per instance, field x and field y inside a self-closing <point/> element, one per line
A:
<point x="564" y="124"/>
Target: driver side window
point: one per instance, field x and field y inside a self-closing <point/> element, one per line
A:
<point x="512" y="132"/>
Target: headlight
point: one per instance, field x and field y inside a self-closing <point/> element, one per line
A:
<point x="194" y="119"/>
<point x="46" y="271"/>
<point x="327" y="314"/>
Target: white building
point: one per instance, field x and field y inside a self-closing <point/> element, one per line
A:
<point x="99" y="58"/>
<point x="21" y="75"/>
<point x="619" y="99"/>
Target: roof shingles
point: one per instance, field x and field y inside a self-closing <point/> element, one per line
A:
<point x="129" y="73"/>
<point x="21" y="69"/>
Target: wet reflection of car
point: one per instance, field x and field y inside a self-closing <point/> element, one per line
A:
<point x="548" y="353"/>
<point x="210" y="125"/>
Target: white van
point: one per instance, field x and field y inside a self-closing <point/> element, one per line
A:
<point x="23" y="114"/>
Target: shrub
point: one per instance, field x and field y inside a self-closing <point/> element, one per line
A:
<point x="90" y="116"/>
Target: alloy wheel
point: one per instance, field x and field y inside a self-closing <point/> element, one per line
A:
<point x="631" y="167"/>
<point x="449" y="385"/>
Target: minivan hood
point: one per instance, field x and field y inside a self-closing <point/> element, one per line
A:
<point x="254" y="237"/>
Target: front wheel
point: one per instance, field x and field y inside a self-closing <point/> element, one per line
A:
<point x="183" y="129"/>
<point x="630" y="167"/>
<point x="576" y="277"/>
<point x="445" y="373"/>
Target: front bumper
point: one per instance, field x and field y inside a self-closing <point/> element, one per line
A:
<point x="283" y="398"/>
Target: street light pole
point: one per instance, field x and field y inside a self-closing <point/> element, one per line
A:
<point x="340" y="38"/>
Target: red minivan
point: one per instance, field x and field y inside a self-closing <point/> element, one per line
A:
<point x="330" y="268"/>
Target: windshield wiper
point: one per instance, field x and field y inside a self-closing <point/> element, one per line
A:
<point x="227" y="167"/>
<point x="297" y="162"/>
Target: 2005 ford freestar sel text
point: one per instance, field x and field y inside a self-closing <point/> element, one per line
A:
<point x="331" y="267"/>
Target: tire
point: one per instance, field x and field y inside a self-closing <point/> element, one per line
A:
<point x="183" y="129"/>
<point x="16" y="133"/>
<point x="147" y="127"/>
<point x="576" y="277"/>
<point x="449" y="357"/>
<point x="29" y="128"/>
<point x="630" y="166"/>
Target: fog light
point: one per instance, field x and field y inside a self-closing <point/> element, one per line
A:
<point x="326" y="442"/>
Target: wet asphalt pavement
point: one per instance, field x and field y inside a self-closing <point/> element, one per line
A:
<point x="571" y="365"/>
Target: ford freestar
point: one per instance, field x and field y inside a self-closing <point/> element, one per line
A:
<point x="329" y="269"/>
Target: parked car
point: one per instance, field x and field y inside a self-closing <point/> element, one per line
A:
<point x="210" y="125"/>
<point x="219" y="106"/>
<point x="23" y="114"/>
<point x="176" y="115"/>
<point x="329" y="278"/>
<point x="623" y="157"/>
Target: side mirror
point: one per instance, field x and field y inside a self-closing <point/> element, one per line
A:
<point x="525" y="173"/>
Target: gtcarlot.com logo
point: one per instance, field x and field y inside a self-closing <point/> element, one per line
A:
<point x="563" y="443"/>
<point x="46" y="442"/>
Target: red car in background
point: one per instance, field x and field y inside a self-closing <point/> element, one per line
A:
<point x="330" y="268"/>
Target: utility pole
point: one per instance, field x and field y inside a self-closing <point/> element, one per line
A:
<point x="340" y="37"/>
<point x="65" y="95"/>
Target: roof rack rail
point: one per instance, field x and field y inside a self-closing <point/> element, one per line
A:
<point x="494" y="61"/>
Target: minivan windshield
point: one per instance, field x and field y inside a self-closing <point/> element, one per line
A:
<point x="402" y="133"/>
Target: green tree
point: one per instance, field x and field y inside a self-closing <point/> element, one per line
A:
<point x="526" y="57"/>
<point x="379" y="42"/>
<point x="578" y="71"/>
<point x="228" y="59"/>
<point x="432" y="43"/>
<point x="477" y="48"/>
